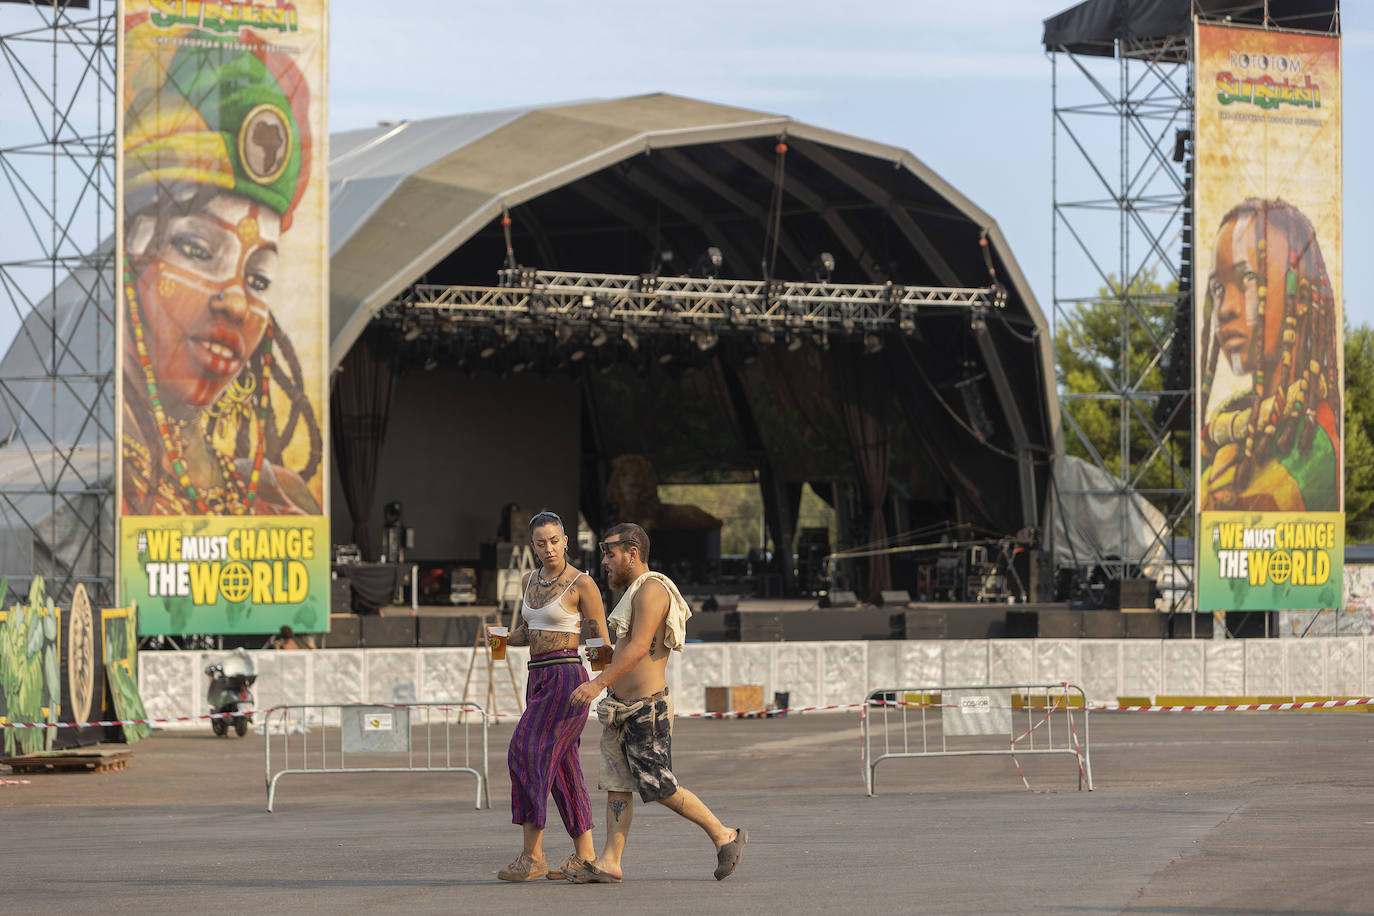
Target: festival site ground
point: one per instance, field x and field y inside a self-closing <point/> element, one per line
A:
<point x="1202" y="813"/>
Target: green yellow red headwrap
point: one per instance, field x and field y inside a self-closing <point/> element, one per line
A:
<point x="208" y="109"/>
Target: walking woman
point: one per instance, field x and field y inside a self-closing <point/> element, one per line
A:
<point x="543" y="755"/>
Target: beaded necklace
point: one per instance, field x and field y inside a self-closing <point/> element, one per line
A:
<point x="174" y="443"/>
<point x="545" y="583"/>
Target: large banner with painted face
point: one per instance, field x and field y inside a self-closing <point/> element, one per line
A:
<point x="222" y="241"/>
<point x="1268" y="341"/>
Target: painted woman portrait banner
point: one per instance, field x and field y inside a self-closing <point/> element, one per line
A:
<point x="1268" y="319"/>
<point x="223" y="250"/>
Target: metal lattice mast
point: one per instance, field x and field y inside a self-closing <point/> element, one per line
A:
<point x="1121" y="242"/>
<point x="57" y="275"/>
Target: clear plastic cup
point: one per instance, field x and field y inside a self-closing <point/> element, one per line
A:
<point x="496" y="638"/>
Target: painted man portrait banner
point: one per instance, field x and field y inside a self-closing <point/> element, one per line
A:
<point x="1268" y="319"/>
<point x="222" y="243"/>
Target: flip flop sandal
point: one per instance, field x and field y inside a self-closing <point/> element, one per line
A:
<point x="728" y="856"/>
<point x="571" y="864"/>
<point x="590" y="874"/>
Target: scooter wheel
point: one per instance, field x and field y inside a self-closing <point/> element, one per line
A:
<point x="218" y="727"/>
<point x="241" y="725"/>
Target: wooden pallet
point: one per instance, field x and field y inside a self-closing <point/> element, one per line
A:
<point x="64" y="761"/>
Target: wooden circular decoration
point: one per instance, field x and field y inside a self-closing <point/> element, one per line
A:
<point x="81" y="656"/>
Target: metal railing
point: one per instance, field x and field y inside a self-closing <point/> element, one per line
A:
<point x="368" y="737"/>
<point x="976" y="720"/>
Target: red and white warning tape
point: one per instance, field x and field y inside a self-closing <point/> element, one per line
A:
<point x="14" y="782"/>
<point x="1246" y="707"/>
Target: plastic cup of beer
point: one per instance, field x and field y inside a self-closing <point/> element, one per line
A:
<point x="496" y="638"/>
<point x="598" y="653"/>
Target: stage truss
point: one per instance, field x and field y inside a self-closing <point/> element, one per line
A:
<point x="601" y="304"/>
<point x="57" y="197"/>
<point x="1121" y="241"/>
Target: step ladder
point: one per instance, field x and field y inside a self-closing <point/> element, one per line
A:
<point x="508" y="596"/>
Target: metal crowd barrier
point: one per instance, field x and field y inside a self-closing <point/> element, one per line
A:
<point x="976" y="720"/>
<point x="367" y="738"/>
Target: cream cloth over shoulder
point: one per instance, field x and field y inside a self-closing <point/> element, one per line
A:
<point x="675" y="633"/>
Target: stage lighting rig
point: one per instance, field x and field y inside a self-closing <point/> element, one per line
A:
<point x="872" y="343"/>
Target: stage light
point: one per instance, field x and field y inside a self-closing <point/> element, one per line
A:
<point x="412" y="331"/>
<point x="510" y="332"/>
<point x="665" y="358"/>
<point x="487" y="352"/>
<point x="562" y="333"/>
<point x="705" y="339"/>
<point x="630" y="337"/>
<point x="431" y="363"/>
<point x="709" y="264"/>
<point x="794" y="342"/>
<point x="823" y="267"/>
<point x="577" y="355"/>
<point x="597" y="336"/>
<point x="765" y="338"/>
<point x="907" y="320"/>
<point x="872" y="343"/>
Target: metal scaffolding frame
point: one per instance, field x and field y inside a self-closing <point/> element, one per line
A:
<point x="57" y="277"/>
<point x="1136" y="178"/>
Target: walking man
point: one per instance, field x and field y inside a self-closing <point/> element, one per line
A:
<point x="637" y="713"/>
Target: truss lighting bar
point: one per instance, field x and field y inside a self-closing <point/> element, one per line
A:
<point x="689" y="302"/>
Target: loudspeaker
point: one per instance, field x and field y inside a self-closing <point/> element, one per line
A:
<point x="894" y="598"/>
<point x="340" y="596"/>
<point x="388" y="632"/>
<point x="1022" y="624"/>
<point x="345" y="632"/>
<point x="923" y="624"/>
<point x="840" y="599"/>
<point x="1059" y="624"/>
<point x="458" y="630"/>
<point x="1137" y="593"/>
<point x="1104" y="624"/>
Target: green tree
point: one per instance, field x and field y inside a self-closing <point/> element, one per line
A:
<point x="1359" y="433"/>
<point x="1109" y="372"/>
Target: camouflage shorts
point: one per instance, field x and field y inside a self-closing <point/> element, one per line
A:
<point x="638" y="755"/>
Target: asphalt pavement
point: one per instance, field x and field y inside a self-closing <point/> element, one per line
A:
<point x="1227" y="813"/>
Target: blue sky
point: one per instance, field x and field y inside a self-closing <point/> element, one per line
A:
<point x="964" y="86"/>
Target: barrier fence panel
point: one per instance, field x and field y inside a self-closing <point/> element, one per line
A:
<point x="329" y="738"/>
<point x="976" y="720"/>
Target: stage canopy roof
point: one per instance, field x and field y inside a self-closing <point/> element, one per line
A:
<point x="1094" y="27"/>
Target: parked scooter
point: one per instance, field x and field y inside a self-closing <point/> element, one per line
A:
<point x="229" y="693"/>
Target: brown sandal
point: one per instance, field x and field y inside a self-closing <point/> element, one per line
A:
<point x="571" y="864"/>
<point x="525" y="868"/>
<point x="590" y="874"/>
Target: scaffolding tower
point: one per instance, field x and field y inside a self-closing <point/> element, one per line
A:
<point x="57" y="289"/>
<point x="1122" y="253"/>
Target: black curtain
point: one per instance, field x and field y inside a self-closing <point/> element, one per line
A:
<point x="866" y="389"/>
<point x="359" y="406"/>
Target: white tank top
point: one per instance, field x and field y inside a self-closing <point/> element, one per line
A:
<point x="552" y="616"/>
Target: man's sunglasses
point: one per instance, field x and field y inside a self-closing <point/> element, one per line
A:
<point x="607" y="545"/>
